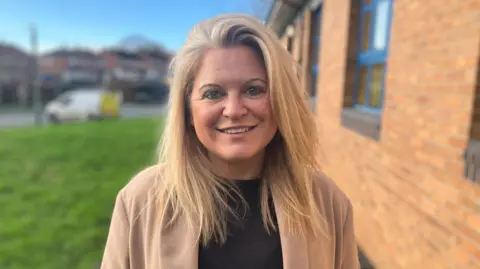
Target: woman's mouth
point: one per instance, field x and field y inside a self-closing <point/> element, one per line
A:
<point x="236" y="130"/>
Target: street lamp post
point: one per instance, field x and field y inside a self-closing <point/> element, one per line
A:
<point x="37" y="97"/>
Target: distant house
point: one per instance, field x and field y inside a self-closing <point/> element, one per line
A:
<point x="15" y="73"/>
<point x="63" y="69"/>
<point x="131" y="71"/>
<point x="135" y="73"/>
<point x="122" y="66"/>
<point x="123" y="71"/>
<point x="157" y="62"/>
<point x="71" y="66"/>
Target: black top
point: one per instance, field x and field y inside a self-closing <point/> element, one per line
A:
<point x="248" y="244"/>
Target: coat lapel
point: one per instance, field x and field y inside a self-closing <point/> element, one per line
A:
<point x="294" y="247"/>
<point x="178" y="247"/>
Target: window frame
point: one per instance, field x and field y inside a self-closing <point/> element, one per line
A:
<point x="315" y="41"/>
<point x="371" y="56"/>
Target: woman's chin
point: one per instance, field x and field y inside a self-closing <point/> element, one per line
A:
<point x="238" y="155"/>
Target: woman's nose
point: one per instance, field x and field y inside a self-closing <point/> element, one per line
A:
<point x="234" y="107"/>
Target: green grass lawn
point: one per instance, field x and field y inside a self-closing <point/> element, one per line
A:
<point x="58" y="185"/>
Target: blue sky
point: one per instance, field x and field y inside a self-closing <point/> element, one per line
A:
<point x="98" y="23"/>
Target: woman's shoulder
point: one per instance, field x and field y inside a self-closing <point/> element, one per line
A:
<point x="143" y="185"/>
<point x="330" y="193"/>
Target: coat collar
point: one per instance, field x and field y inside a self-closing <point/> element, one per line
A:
<point x="294" y="247"/>
<point x="179" y="250"/>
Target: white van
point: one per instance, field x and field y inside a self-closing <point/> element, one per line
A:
<point x="83" y="104"/>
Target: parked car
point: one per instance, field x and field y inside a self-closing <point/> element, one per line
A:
<point x="83" y="105"/>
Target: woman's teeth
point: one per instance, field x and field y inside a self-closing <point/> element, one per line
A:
<point x="236" y="130"/>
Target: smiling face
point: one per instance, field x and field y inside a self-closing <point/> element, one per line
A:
<point x="230" y="105"/>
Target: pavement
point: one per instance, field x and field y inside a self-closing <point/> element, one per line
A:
<point x="17" y="117"/>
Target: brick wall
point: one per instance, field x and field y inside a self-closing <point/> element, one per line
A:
<point x="111" y="61"/>
<point x="53" y="65"/>
<point x="14" y="65"/>
<point x="413" y="206"/>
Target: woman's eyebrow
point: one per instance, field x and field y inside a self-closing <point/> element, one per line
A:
<point x="255" y="79"/>
<point x="204" y="87"/>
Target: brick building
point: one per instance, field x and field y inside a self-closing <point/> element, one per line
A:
<point x="157" y="62"/>
<point x="114" y="68"/>
<point x="15" y="75"/>
<point x="64" y="69"/>
<point x="138" y="74"/>
<point x="124" y="71"/>
<point x="72" y="65"/>
<point x="395" y="86"/>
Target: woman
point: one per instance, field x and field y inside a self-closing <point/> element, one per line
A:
<point x="239" y="185"/>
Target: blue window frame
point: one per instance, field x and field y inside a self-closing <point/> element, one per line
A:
<point x="315" y="48"/>
<point x="375" y="24"/>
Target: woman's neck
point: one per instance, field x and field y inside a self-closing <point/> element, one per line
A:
<point x="245" y="169"/>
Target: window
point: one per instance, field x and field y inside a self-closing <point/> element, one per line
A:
<point x="64" y="99"/>
<point x="472" y="151"/>
<point x="315" y="32"/>
<point x="374" y="36"/>
<point x="366" y="61"/>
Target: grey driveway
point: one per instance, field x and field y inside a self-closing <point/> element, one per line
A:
<point x="17" y="118"/>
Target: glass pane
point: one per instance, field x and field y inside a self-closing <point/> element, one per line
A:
<point x="315" y="36"/>
<point x="381" y="25"/>
<point x="316" y="22"/>
<point x="376" y="85"/>
<point x="314" y="80"/>
<point x="362" y="85"/>
<point x="366" y="30"/>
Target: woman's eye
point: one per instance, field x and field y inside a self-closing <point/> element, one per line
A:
<point x="253" y="91"/>
<point x="212" y="94"/>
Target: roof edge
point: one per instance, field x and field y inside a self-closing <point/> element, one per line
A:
<point x="282" y="13"/>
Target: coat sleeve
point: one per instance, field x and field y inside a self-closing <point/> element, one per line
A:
<point x="350" y="251"/>
<point x="116" y="253"/>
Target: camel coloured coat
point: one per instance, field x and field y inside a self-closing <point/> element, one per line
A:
<point x="135" y="240"/>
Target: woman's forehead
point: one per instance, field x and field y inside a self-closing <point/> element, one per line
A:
<point x="230" y="64"/>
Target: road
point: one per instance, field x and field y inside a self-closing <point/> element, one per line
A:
<point x="18" y="118"/>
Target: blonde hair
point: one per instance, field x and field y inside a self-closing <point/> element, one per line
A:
<point x="190" y="189"/>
